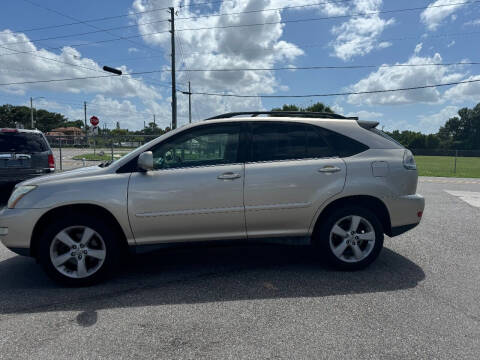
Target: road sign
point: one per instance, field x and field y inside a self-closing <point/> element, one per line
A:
<point x="94" y="121"/>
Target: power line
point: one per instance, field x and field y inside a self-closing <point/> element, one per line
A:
<point x="80" y="78"/>
<point x="328" y="67"/>
<point x="87" y="24"/>
<point x="323" y="18"/>
<point x="245" y="69"/>
<point x="92" y="26"/>
<point x="166" y="20"/>
<point x="136" y="36"/>
<point x="122" y="16"/>
<point x="273" y="49"/>
<point x="98" y="30"/>
<point x="337" y="94"/>
<point x="88" y="68"/>
<point x="318" y="4"/>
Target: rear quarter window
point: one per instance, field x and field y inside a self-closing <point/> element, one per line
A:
<point x="342" y="145"/>
<point x="19" y="142"/>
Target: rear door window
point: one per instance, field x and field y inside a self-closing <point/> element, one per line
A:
<point x="287" y="141"/>
<point x="291" y="141"/>
<point x="18" y="142"/>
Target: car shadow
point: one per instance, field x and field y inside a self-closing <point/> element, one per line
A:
<point x="199" y="274"/>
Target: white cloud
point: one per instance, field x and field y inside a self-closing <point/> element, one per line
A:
<point x="433" y="16"/>
<point x="37" y="67"/>
<point x="386" y="78"/>
<point x="337" y="108"/>
<point x="249" y="47"/>
<point x="431" y="123"/>
<point x="473" y="22"/>
<point x="418" y="48"/>
<point x="451" y="43"/>
<point x="360" y="35"/>
<point x="133" y="50"/>
<point x="463" y="92"/>
<point x="366" y="115"/>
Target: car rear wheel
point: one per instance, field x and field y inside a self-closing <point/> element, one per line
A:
<point x="351" y="238"/>
<point x="79" y="251"/>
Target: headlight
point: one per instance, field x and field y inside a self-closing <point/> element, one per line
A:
<point x="18" y="194"/>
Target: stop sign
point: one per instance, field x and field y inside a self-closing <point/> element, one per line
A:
<point x="94" y="120"/>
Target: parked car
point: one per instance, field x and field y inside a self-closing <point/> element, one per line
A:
<point x="24" y="154"/>
<point x="333" y="182"/>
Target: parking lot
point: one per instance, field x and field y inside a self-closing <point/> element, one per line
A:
<point x="419" y="300"/>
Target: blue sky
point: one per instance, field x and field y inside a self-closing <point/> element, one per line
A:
<point x="435" y="34"/>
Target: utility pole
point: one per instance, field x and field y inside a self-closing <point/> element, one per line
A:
<point x="189" y="103"/>
<point x="154" y="122"/>
<point x="174" y="85"/>
<point x="31" y="112"/>
<point x="85" y="112"/>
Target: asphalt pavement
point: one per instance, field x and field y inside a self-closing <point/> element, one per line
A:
<point x="419" y="300"/>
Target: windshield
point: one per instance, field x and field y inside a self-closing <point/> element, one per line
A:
<point x="18" y="142"/>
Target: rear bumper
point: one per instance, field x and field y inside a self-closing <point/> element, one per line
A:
<point x="399" y="230"/>
<point x="405" y="213"/>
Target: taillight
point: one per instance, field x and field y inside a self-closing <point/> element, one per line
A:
<point x="409" y="161"/>
<point x="51" y="162"/>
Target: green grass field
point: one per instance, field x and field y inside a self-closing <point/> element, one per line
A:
<point x="467" y="167"/>
<point x="97" y="157"/>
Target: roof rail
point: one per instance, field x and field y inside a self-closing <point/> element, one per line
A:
<point x="284" y="113"/>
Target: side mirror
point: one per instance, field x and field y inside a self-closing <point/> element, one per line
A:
<point x="145" y="161"/>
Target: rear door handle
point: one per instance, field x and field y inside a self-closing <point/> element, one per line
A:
<point x="228" y="176"/>
<point x="329" y="169"/>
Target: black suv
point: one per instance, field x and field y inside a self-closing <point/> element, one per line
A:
<point x="23" y="154"/>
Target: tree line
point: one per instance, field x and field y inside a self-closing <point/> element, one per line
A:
<point x="460" y="132"/>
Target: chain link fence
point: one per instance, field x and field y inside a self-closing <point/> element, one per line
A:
<point x="71" y="151"/>
<point x="443" y="162"/>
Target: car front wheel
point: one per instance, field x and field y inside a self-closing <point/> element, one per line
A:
<point x="351" y="238"/>
<point x="79" y="251"/>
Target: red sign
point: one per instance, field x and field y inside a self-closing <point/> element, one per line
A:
<point x="94" y="121"/>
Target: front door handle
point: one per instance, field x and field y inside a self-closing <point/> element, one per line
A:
<point x="329" y="169"/>
<point x="228" y="176"/>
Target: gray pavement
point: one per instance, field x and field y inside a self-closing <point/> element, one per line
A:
<point x="419" y="300"/>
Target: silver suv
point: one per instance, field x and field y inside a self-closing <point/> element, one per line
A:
<point x="333" y="182"/>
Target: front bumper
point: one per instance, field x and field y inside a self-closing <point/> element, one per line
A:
<point x="16" y="228"/>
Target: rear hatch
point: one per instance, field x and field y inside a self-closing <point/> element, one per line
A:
<point x="22" y="153"/>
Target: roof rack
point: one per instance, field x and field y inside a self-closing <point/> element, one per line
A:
<point x="284" y="113"/>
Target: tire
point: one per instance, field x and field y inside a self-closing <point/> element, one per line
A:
<point x="344" y="250"/>
<point x="79" y="250"/>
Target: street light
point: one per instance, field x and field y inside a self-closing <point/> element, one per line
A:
<point x="31" y="109"/>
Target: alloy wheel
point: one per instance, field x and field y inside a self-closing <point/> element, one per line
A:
<point x="78" y="252"/>
<point x="352" y="238"/>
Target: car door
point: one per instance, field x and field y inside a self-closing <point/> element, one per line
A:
<point x="195" y="191"/>
<point x="290" y="172"/>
